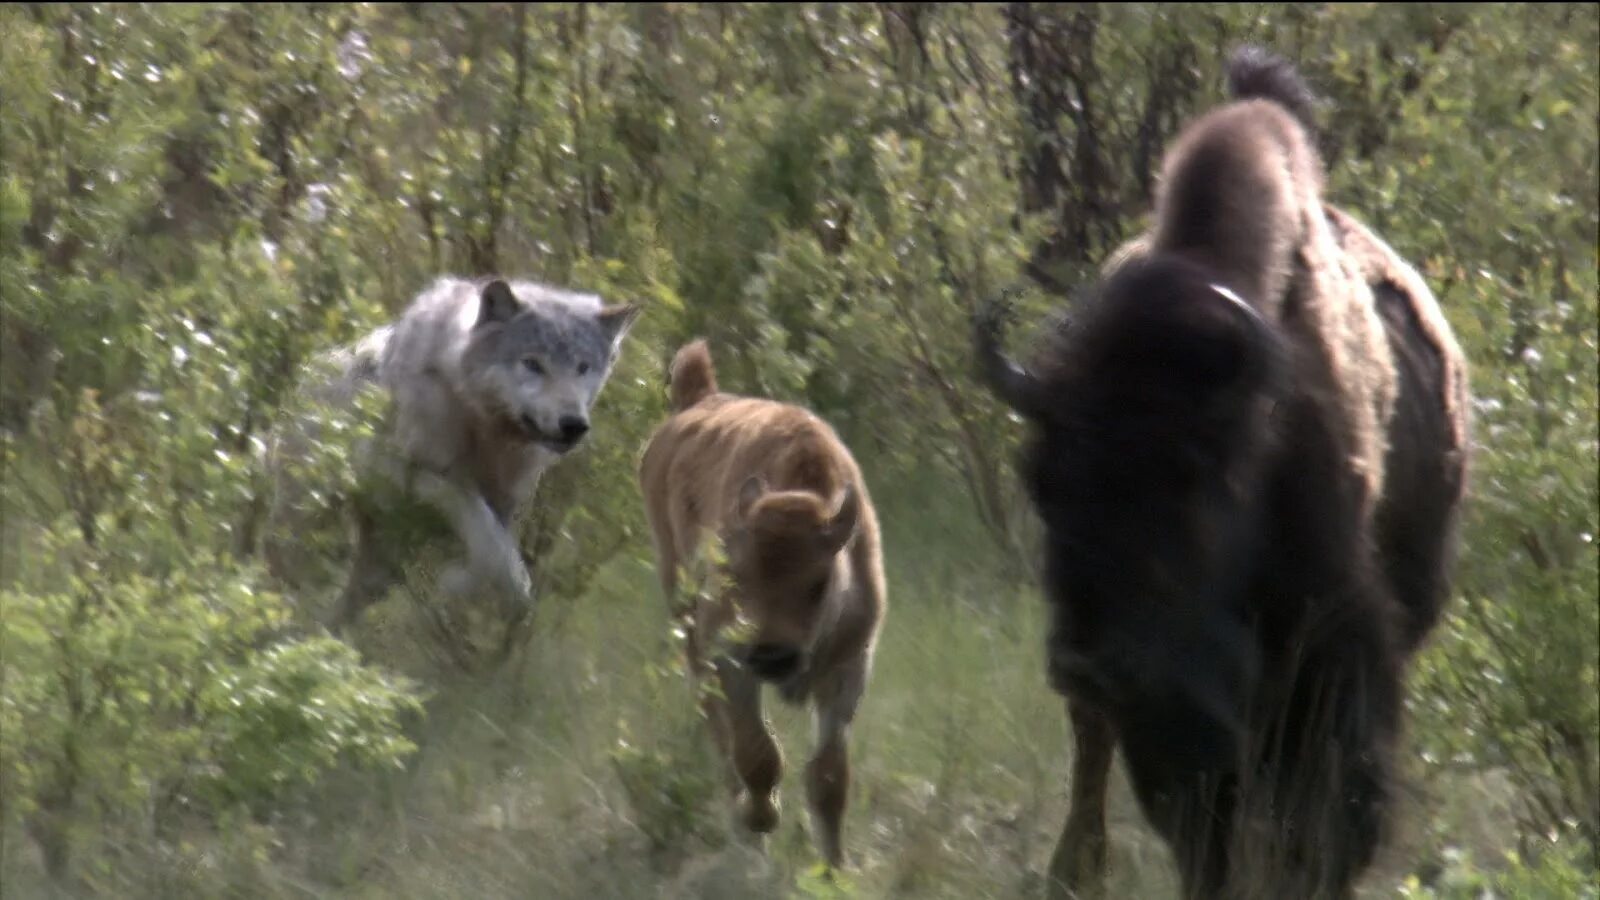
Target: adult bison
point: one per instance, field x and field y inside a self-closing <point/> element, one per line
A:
<point x="1248" y="450"/>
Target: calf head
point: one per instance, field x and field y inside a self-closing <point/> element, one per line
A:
<point x="783" y="552"/>
<point x="1150" y="419"/>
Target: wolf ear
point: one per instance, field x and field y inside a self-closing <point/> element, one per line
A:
<point x="616" y="320"/>
<point x="497" y="304"/>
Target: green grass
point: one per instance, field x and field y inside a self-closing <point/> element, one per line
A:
<point x="959" y="750"/>
<point x="587" y="774"/>
<point x="583" y="771"/>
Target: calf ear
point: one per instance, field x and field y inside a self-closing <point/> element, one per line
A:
<point x="749" y="493"/>
<point x="617" y="320"/>
<point x="496" y="304"/>
<point x="842" y="526"/>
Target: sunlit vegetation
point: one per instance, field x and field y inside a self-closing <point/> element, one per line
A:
<point x="195" y="200"/>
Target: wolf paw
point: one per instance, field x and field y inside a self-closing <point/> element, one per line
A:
<point x="509" y="579"/>
<point x="516" y="601"/>
<point x="515" y="580"/>
<point x="456" y="581"/>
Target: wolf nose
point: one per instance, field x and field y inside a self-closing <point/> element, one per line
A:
<point x="573" y="428"/>
<point x="774" y="662"/>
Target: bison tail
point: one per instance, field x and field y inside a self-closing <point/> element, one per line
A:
<point x="1256" y="74"/>
<point x="692" y="377"/>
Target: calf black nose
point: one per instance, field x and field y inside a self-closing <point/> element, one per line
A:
<point x="773" y="662"/>
<point x="573" y="428"/>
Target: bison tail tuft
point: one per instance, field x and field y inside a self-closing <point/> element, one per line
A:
<point x="1257" y="74"/>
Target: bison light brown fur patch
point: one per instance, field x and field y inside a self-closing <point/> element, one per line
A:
<point x="1248" y="446"/>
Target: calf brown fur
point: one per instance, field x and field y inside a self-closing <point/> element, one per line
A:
<point x="804" y="570"/>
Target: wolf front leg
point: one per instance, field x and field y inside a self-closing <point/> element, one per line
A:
<point x="492" y="558"/>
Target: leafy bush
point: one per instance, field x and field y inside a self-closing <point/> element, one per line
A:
<point x="196" y="201"/>
<point x="146" y="671"/>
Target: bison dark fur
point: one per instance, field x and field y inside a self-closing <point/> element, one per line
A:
<point x="1247" y="448"/>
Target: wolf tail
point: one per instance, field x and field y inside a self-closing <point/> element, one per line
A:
<point x="692" y="377"/>
<point x="1256" y="74"/>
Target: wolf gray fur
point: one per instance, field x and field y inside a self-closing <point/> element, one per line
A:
<point x="489" y="383"/>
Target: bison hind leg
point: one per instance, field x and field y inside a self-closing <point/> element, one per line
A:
<point x="1078" y="865"/>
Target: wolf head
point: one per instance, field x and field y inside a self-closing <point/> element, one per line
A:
<point x="536" y="358"/>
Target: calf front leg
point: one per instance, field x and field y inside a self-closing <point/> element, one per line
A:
<point x="828" y="773"/>
<point x="1078" y="866"/>
<point x="754" y="754"/>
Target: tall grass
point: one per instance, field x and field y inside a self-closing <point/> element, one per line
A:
<point x="583" y="771"/>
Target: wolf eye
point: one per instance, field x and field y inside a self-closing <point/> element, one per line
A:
<point x="532" y="365"/>
<point x="583" y="368"/>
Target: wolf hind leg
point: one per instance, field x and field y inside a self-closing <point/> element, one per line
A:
<point x="372" y="574"/>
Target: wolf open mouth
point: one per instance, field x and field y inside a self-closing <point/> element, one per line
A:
<point x="559" y="445"/>
<point x="533" y="434"/>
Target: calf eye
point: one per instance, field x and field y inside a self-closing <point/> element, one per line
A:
<point x="532" y="365"/>
<point x="583" y="368"/>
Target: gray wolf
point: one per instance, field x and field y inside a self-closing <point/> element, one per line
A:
<point x="1249" y="449"/>
<point x="488" y="382"/>
<point x="804" y="572"/>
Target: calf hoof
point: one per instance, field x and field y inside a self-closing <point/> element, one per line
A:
<point x="1059" y="887"/>
<point x="760" y="815"/>
<point x="835" y="860"/>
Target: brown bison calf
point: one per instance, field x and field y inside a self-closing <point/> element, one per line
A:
<point x="804" y="570"/>
<point x="1248" y="449"/>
